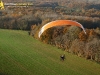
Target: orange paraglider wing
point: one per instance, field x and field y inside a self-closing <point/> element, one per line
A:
<point x="60" y="23"/>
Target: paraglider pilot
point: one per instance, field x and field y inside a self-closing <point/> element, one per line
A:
<point x="62" y="57"/>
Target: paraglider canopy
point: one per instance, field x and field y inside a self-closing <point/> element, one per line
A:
<point x="60" y="23"/>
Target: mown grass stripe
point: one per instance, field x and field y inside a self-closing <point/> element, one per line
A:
<point x="23" y="53"/>
<point x="16" y="63"/>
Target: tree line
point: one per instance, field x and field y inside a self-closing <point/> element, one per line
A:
<point x="21" y="23"/>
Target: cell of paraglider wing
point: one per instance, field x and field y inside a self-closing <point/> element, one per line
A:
<point x="60" y="23"/>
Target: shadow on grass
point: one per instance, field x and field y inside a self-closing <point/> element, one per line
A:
<point x="3" y="74"/>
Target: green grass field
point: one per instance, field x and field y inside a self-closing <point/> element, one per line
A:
<point x="20" y="54"/>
